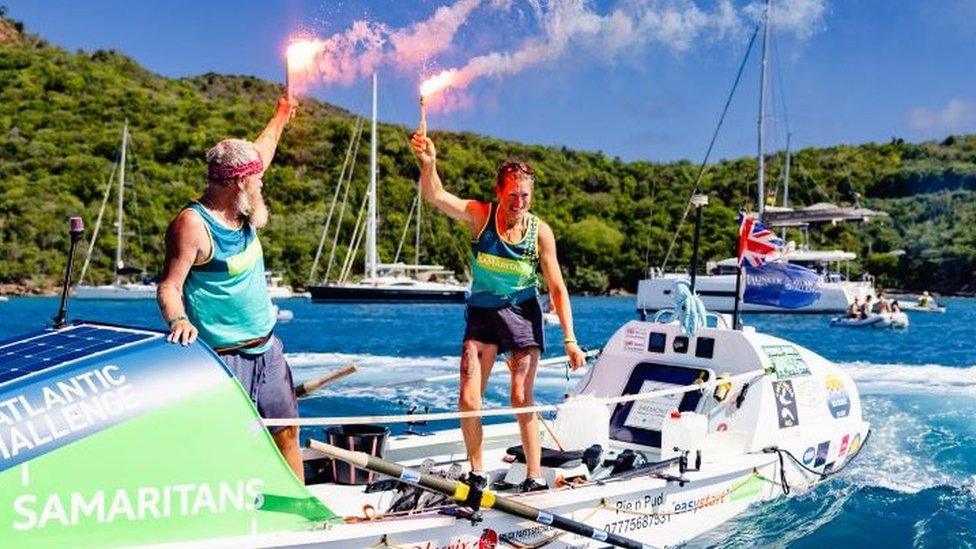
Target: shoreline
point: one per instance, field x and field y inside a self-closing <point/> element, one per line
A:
<point x="12" y="289"/>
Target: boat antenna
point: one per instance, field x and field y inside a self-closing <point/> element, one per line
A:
<point x="76" y="228"/>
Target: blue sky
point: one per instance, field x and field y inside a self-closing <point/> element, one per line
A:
<point x="847" y="71"/>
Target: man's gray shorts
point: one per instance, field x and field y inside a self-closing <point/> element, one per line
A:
<point x="267" y="380"/>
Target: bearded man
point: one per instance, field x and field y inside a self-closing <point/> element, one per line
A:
<point x="213" y="281"/>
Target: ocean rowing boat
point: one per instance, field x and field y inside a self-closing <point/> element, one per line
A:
<point x="111" y="436"/>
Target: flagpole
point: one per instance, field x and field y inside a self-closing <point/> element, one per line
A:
<point x="736" y="325"/>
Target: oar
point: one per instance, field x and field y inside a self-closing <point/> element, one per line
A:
<point x="542" y="363"/>
<point x="313" y="385"/>
<point x="459" y="492"/>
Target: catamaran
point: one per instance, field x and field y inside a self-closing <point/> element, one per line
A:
<point x="717" y="289"/>
<point x="389" y="282"/>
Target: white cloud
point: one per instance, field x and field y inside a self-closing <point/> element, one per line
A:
<point x="956" y="116"/>
<point x="565" y="28"/>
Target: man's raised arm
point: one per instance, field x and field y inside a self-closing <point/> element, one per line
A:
<point x="267" y="142"/>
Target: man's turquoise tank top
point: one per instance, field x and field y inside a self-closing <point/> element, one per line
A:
<point x="504" y="273"/>
<point x="227" y="296"/>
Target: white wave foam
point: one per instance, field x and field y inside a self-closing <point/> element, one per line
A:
<point x="312" y="360"/>
<point x="929" y="379"/>
<point x="896" y="455"/>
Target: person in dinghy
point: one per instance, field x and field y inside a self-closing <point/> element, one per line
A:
<point x="213" y="283"/>
<point x="503" y="313"/>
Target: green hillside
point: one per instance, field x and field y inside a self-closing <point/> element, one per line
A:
<point x="61" y="116"/>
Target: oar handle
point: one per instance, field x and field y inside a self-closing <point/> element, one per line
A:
<point x="313" y="385"/>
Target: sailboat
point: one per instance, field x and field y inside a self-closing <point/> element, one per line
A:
<point x="119" y="289"/>
<point x="717" y="289"/>
<point x="390" y="282"/>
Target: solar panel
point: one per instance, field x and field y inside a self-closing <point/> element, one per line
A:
<point x="32" y="354"/>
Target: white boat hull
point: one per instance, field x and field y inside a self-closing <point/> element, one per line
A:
<point x="835" y="297"/>
<point x="648" y="510"/>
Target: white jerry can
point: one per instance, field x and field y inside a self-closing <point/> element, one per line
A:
<point x="582" y="421"/>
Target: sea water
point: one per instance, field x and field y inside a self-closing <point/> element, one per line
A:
<point x="913" y="485"/>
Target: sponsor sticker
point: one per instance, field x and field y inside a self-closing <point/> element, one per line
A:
<point x="535" y="536"/>
<point x="843" y="445"/>
<point x="855" y="444"/>
<point x="822" y="450"/>
<point x="749" y="489"/>
<point x="808" y="392"/>
<point x="809" y="455"/>
<point x="489" y="539"/>
<point x="785" y="404"/>
<point x="410" y="476"/>
<point x="786" y="361"/>
<point x="635" y="339"/>
<point x="838" y="401"/>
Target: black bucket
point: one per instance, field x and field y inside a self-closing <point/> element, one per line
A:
<point x="359" y="438"/>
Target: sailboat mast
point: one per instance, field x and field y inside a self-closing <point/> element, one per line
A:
<point x="118" y="217"/>
<point x="786" y="179"/>
<point x="371" y="231"/>
<point x="786" y="173"/>
<point x="762" y="112"/>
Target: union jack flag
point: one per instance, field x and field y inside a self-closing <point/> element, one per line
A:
<point x="757" y="244"/>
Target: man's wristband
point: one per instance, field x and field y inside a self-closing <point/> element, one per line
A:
<point x="569" y="340"/>
<point x="172" y="321"/>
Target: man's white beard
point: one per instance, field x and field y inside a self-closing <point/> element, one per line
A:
<point x="251" y="205"/>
